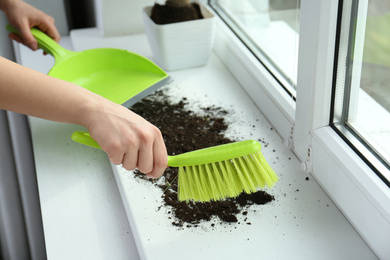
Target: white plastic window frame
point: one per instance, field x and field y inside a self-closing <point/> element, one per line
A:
<point x="304" y="125"/>
<point x="344" y="117"/>
<point x="270" y="50"/>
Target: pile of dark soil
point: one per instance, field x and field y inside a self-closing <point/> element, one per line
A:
<point x="183" y="131"/>
<point x="166" y="14"/>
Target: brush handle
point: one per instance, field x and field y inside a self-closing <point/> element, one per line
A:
<point x="214" y="154"/>
<point x="85" y="138"/>
<point x="203" y="156"/>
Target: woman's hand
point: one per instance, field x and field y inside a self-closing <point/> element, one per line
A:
<point x="23" y="17"/>
<point x="127" y="138"/>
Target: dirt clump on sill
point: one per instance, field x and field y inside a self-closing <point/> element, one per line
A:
<point x="166" y="14"/>
<point x="184" y="130"/>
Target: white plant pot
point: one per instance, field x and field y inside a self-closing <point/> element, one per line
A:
<point x="181" y="45"/>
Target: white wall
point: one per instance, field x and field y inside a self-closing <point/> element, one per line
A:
<point x="54" y="8"/>
<point x="120" y="17"/>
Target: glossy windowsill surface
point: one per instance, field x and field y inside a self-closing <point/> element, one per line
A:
<point x="88" y="204"/>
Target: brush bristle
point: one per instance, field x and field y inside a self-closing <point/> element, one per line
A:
<point x="225" y="179"/>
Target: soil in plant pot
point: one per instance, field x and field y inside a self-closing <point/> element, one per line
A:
<point x="184" y="130"/>
<point x="165" y="14"/>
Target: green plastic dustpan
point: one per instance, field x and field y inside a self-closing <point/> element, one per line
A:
<point x="118" y="75"/>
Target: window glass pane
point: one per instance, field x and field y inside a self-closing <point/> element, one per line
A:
<point x="362" y="96"/>
<point x="270" y="29"/>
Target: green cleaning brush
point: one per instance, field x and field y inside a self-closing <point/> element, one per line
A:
<point x="217" y="172"/>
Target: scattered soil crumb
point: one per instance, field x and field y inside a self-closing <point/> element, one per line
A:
<point x="184" y="130"/>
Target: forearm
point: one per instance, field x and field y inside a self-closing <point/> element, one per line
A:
<point x="29" y="92"/>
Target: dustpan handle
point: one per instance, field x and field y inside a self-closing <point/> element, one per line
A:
<point x="45" y="43"/>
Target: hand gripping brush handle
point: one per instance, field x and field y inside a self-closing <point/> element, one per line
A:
<point x="214" y="173"/>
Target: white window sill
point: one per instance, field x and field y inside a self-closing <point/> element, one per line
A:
<point x="81" y="208"/>
<point x="358" y="192"/>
